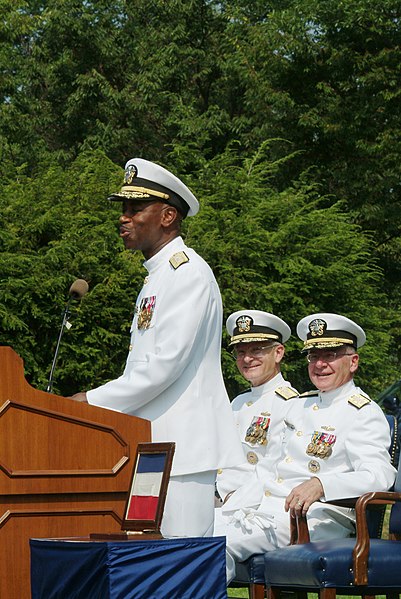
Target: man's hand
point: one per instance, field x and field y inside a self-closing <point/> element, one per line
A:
<point x="80" y="397"/>
<point x="301" y="497"/>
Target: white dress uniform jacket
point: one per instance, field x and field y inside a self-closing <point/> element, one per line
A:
<point x="258" y="413"/>
<point x="173" y="372"/>
<point x="341" y="437"/>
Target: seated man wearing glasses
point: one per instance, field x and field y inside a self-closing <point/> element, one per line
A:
<point x="257" y="341"/>
<point x="334" y="445"/>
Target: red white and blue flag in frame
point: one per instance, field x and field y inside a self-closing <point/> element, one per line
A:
<point x="146" y="486"/>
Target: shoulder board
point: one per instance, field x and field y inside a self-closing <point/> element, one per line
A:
<point x="358" y="401"/>
<point x="178" y="259"/>
<point x="286" y="392"/>
<point x="313" y="393"/>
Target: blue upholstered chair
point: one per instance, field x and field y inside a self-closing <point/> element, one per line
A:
<point x="251" y="573"/>
<point x="355" y="566"/>
<point x="362" y="565"/>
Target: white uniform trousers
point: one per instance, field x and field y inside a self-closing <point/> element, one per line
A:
<point x="189" y="509"/>
<point x="248" y="532"/>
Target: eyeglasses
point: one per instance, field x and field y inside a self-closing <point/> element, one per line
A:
<point x="254" y="352"/>
<point x="326" y="356"/>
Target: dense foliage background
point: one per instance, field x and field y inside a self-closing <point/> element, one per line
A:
<point x="283" y="117"/>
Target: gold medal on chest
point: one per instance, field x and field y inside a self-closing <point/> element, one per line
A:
<point x="313" y="466"/>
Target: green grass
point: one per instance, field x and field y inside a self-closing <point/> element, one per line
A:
<point x="237" y="593"/>
<point x="243" y="593"/>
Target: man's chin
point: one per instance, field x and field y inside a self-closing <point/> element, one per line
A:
<point x="129" y="245"/>
<point x="256" y="381"/>
<point x="323" y="383"/>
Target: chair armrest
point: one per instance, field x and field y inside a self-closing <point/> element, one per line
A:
<point x="299" y="532"/>
<point x="362" y="542"/>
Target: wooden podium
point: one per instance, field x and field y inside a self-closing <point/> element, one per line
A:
<point x="65" y="470"/>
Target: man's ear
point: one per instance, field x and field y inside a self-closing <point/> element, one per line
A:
<point x="279" y="353"/>
<point x="354" y="363"/>
<point x="169" y="216"/>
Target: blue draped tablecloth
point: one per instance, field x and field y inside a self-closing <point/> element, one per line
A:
<point x="179" y="568"/>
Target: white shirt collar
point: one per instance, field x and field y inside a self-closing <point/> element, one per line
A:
<point x="167" y="251"/>
<point x="270" y="385"/>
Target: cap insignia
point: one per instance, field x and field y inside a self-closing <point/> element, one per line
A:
<point x="178" y="259"/>
<point x="130" y="173"/>
<point x="317" y="327"/>
<point x="244" y="324"/>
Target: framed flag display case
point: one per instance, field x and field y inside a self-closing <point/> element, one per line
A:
<point x="147" y="493"/>
<point x="110" y="566"/>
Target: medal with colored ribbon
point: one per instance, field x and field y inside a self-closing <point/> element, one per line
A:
<point x="321" y="445"/>
<point x="145" y="312"/>
<point x="257" y="430"/>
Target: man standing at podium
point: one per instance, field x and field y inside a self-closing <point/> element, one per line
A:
<point x="172" y="375"/>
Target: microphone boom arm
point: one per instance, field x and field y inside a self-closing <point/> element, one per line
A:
<point x="77" y="290"/>
<point x="66" y="315"/>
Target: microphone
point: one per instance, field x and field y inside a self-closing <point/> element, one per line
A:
<point x="78" y="289"/>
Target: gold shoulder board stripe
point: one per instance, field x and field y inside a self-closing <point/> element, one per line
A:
<point x="177" y="259"/>
<point x="286" y="392"/>
<point x="358" y="401"/>
<point x="309" y="393"/>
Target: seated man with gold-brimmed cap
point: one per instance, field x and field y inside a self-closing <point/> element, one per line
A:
<point x="257" y="341"/>
<point x="334" y="445"/>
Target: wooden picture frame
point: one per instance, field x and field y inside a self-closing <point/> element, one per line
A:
<point x="147" y="492"/>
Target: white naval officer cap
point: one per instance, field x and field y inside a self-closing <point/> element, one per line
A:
<point x="145" y="180"/>
<point x="325" y="330"/>
<point x="245" y="326"/>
